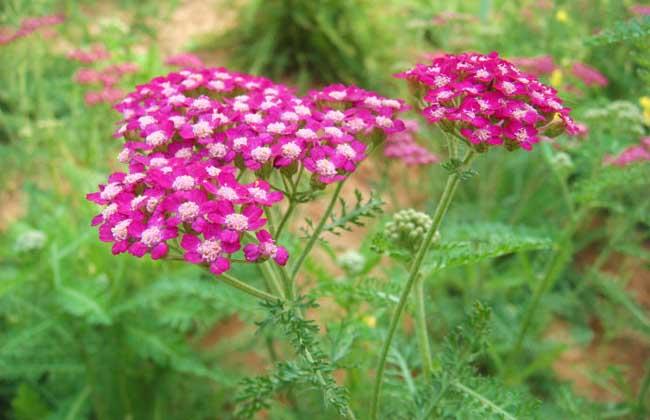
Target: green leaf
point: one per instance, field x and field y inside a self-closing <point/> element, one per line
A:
<point x="480" y="243"/>
<point x="346" y="218"/>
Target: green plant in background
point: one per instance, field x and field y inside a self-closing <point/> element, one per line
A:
<point x="327" y="41"/>
<point x="84" y="334"/>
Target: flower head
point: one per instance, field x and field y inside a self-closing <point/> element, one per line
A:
<point x="487" y="100"/>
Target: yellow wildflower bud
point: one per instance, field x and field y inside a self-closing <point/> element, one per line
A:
<point x="370" y="321"/>
<point x="562" y="16"/>
<point x="556" y="78"/>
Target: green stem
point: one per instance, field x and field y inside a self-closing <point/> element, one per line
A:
<point x="269" y="275"/>
<point x="283" y="222"/>
<point x="251" y="290"/>
<point x="441" y="209"/>
<point x="314" y="237"/>
<point x="421" y="327"/>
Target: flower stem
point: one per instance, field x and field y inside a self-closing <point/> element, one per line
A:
<point x="314" y="237"/>
<point x="441" y="209"/>
<point x="283" y="222"/>
<point x="421" y="327"/>
<point x="247" y="288"/>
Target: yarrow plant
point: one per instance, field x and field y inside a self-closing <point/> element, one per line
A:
<point x="210" y="156"/>
<point x="192" y="137"/>
<point x="484" y="102"/>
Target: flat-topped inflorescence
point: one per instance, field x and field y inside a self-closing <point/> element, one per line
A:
<point x="193" y="136"/>
<point x="486" y="101"/>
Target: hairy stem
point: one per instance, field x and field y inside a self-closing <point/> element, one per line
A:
<point x="421" y="327"/>
<point x="314" y="237"/>
<point x="247" y="288"/>
<point x="441" y="209"/>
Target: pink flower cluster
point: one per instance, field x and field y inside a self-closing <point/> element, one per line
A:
<point x="96" y="53"/>
<point x="193" y="137"/>
<point x="537" y="66"/>
<point x="589" y="75"/>
<point x="107" y="77"/>
<point x="28" y="26"/>
<point x="403" y="146"/>
<point x="488" y="101"/>
<point x="633" y="154"/>
<point x="640" y="10"/>
<point x="185" y="60"/>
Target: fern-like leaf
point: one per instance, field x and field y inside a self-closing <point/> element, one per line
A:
<point x="347" y="218"/>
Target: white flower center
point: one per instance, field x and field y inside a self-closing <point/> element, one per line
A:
<point x="346" y="150"/>
<point x="109" y="210"/>
<point x="151" y="236"/>
<point x="441" y="81"/>
<point x="110" y="191"/>
<point x="213" y="170"/>
<point x="289" y="116"/>
<point x="334" y="115"/>
<point x="253" y="118"/>
<point x="521" y="135"/>
<point x="183" y="182"/>
<point x="372" y="101"/>
<point x="291" y="150"/>
<point x="257" y="193"/>
<point x="302" y="110"/>
<point x="202" y="129"/>
<point x="177" y="120"/>
<point x="383" y="122"/>
<point x="119" y="231"/>
<point x="201" y="104"/>
<point x="227" y="193"/>
<point x="261" y="154"/>
<point x="188" y="211"/>
<point x="509" y="87"/>
<point x="158" y="162"/>
<point x="132" y="178"/>
<point x="338" y="94"/>
<point x="236" y="221"/>
<point x="333" y="131"/>
<point x="325" y="168"/>
<point x="239" y="143"/>
<point x="217" y="150"/>
<point x="145" y="120"/>
<point x="306" y="133"/>
<point x="276" y="127"/>
<point x="156" y="138"/>
<point x="209" y="250"/>
<point x="355" y="124"/>
<point x="269" y="249"/>
<point x="391" y="103"/>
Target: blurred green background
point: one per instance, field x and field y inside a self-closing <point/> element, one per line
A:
<point x="86" y="335"/>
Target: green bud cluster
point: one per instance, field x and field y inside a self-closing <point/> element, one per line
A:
<point x="408" y="228"/>
<point x="351" y="262"/>
<point x="620" y="117"/>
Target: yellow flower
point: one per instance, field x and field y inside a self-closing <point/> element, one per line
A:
<point x="645" y="102"/>
<point x="562" y="16"/>
<point x="556" y="78"/>
<point x="370" y="321"/>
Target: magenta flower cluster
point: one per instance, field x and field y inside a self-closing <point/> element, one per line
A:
<point x="403" y="146"/>
<point x="487" y="101"/>
<point x="192" y="137"/>
<point x="29" y="26"/>
<point x="106" y="77"/>
<point x="185" y="60"/>
<point x="589" y="75"/>
<point x="633" y="154"/>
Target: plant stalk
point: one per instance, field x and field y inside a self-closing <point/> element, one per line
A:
<point x="441" y="210"/>
<point x="247" y="288"/>
<point x="421" y="327"/>
<point x="314" y="237"/>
